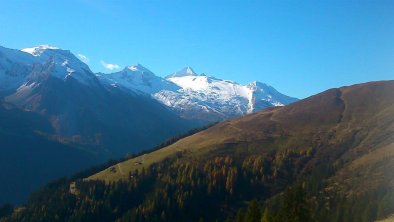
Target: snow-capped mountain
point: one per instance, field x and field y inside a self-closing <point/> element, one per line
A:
<point x="19" y="68"/>
<point x="198" y="96"/>
<point x="14" y="67"/>
<point x="63" y="63"/>
<point x="138" y="79"/>
<point x="187" y="71"/>
<point x="45" y="78"/>
<point x="62" y="89"/>
<point x="221" y="97"/>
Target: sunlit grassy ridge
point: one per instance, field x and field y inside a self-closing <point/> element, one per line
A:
<point x="349" y="125"/>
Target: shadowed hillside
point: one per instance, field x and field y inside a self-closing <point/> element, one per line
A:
<point x="28" y="159"/>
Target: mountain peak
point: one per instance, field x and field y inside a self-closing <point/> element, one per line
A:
<point x="61" y="64"/>
<point x="137" y="67"/>
<point x="187" y="71"/>
<point x="258" y="84"/>
<point x="38" y="50"/>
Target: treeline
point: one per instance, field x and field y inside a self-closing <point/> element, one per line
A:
<point x="300" y="203"/>
<point x="174" y="189"/>
<point x="292" y="206"/>
<point x="250" y="188"/>
<point x="6" y="210"/>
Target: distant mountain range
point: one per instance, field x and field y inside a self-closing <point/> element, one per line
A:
<point x="59" y="102"/>
<point x="198" y="96"/>
<point x="85" y="108"/>
<point x="81" y="110"/>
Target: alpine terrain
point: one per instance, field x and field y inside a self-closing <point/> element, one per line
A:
<point x="329" y="157"/>
<point x="59" y="115"/>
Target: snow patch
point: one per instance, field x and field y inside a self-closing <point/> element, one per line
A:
<point x="38" y="50"/>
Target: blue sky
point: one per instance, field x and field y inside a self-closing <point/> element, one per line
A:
<point x="299" y="47"/>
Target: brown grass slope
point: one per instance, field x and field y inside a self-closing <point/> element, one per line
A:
<point x="350" y="127"/>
